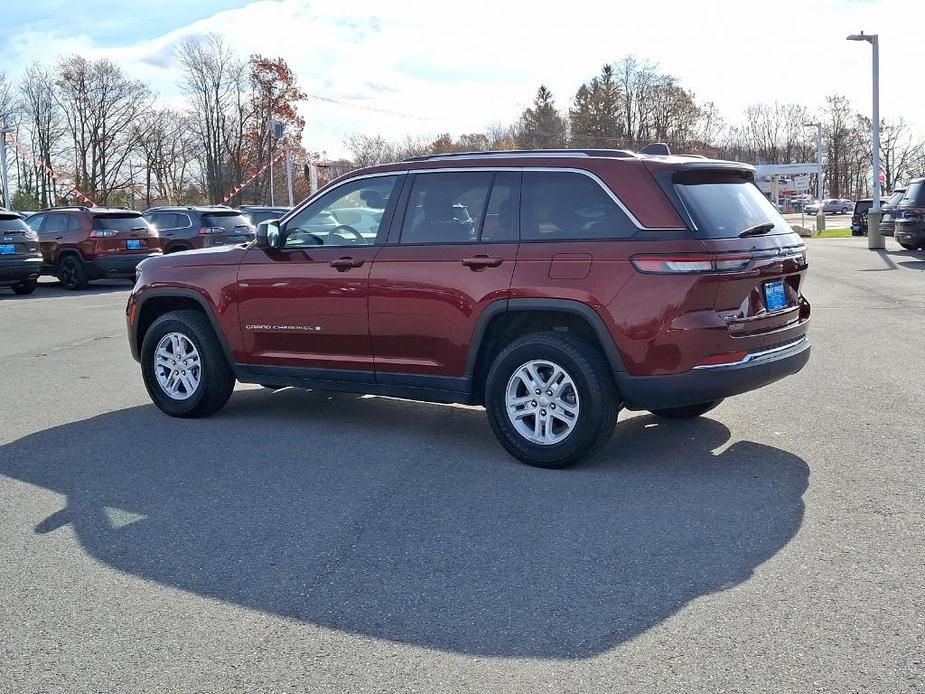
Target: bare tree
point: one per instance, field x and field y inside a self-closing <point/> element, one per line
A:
<point x="899" y="154"/>
<point x="215" y="80"/>
<point x="43" y="124"/>
<point x="369" y="150"/>
<point x="100" y="105"/>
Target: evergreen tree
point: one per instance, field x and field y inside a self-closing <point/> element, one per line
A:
<point x="541" y="126"/>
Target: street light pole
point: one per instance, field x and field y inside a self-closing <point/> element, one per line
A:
<point x="874" y="237"/>
<point x="820" y="215"/>
<point x="4" y="178"/>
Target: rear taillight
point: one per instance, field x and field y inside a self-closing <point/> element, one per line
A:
<point x="103" y="233"/>
<point x="691" y="264"/>
<point x="204" y="231"/>
<point x="30" y="235"/>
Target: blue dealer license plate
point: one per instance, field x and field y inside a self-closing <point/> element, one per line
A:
<point x="133" y="244"/>
<point x="775" y="298"/>
<point x="7" y="249"/>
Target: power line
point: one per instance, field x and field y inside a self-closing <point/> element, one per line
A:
<point x="374" y="109"/>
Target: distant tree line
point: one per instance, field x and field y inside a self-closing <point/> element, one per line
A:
<point x="632" y="103"/>
<point x="108" y="135"/>
<point x="105" y="134"/>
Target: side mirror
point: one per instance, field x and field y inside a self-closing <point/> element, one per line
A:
<point x="268" y="235"/>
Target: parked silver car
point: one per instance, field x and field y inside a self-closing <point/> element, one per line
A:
<point x="830" y="206"/>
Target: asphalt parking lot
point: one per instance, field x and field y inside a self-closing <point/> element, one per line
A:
<point x="305" y="541"/>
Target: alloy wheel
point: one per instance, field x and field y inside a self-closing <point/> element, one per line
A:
<point x="177" y="366"/>
<point x="542" y="402"/>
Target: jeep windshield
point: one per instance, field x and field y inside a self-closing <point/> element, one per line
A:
<point x="723" y="205"/>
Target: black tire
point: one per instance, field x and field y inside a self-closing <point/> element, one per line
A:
<point x="596" y="392"/>
<point x="686" y="411"/>
<point x="216" y="377"/>
<point x="176" y="249"/>
<point x="71" y="273"/>
<point x="908" y="246"/>
<point x="25" y="287"/>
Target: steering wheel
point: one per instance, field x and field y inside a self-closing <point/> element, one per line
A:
<point x="347" y="227"/>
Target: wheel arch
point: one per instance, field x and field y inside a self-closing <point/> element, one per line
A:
<point x="156" y="302"/>
<point x="504" y="320"/>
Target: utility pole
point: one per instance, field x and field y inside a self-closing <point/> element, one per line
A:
<point x="277" y="128"/>
<point x="874" y="237"/>
<point x="289" y="173"/>
<point x="820" y="215"/>
<point x="4" y="178"/>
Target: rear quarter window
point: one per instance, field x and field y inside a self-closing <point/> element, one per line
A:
<point x="557" y="206"/>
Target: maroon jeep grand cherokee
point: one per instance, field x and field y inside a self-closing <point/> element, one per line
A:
<point x="554" y="287"/>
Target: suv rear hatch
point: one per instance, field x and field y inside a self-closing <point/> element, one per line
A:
<point x="119" y="233"/>
<point x="226" y="226"/>
<point x="763" y="259"/>
<point x="17" y="240"/>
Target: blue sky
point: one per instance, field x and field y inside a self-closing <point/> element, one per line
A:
<point x="460" y="66"/>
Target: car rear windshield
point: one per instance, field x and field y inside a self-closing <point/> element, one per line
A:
<point x="915" y="195"/>
<point x="119" y="221"/>
<point x="12" y="223"/>
<point x="226" y="220"/>
<point x="725" y="205"/>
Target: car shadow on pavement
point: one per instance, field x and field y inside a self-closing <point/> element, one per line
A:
<point x="406" y="521"/>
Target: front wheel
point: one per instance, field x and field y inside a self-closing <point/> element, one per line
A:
<point x="908" y="246"/>
<point x="551" y="399"/>
<point x="25" y="287"/>
<point x="686" y="411"/>
<point x="183" y="365"/>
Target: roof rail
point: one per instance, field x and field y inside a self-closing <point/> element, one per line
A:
<point x="68" y="207"/>
<point x="524" y="153"/>
<point x="656" y="148"/>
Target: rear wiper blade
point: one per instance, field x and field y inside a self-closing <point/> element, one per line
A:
<point x="757" y="230"/>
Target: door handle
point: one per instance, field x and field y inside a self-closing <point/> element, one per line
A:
<point x="344" y="264"/>
<point x="480" y="262"/>
<point x="58" y="238"/>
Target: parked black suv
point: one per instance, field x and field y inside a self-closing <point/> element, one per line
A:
<point x="910" y="222"/>
<point x="20" y="259"/>
<point x="890" y="213"/>
<point x="184" y="228"/>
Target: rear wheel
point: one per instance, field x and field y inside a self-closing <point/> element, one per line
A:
<point x="71" y="273"/>
<point x="907" y="246"/>
<point x="25" y="287"/>
<point x="551" y="399"/>
<point x="183" y="365"/>
<point x="176" y="249"/>
<point x="686" y="411"/>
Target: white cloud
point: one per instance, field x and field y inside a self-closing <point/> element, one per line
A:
<point x="464" y="65"/>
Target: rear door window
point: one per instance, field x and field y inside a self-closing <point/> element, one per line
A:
<point x="446" y="207"/>
<point x="557" y="206"/>
<point x="55" y="224"/>
<point x="724" y="205"/>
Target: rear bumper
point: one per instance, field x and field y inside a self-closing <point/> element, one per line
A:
<point x="909" y="234"/>
<point x="15" y="270"/>
<point x="714" y="383"/>
<point x="118" y="265"/>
